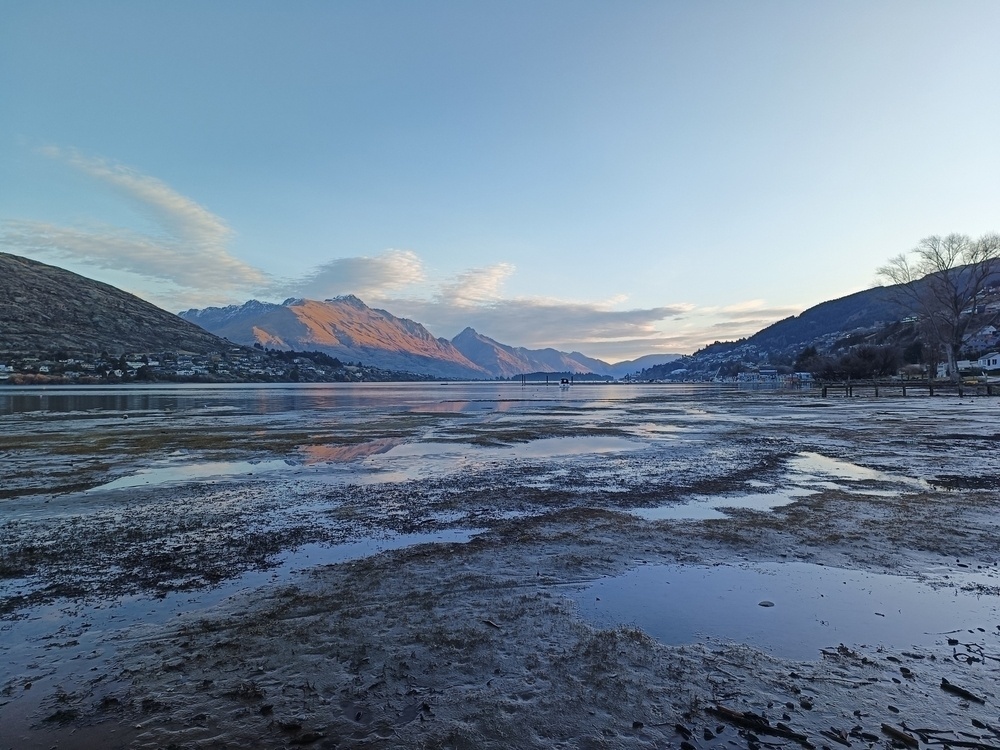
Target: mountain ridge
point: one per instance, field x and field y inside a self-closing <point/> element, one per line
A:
<point x="346" y="328"/>
<point x="47" y="308"/>
<point x="343" y="327"/>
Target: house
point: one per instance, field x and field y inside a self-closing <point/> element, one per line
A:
<point x="990" y="361"/>
<point x="962" y="365"/>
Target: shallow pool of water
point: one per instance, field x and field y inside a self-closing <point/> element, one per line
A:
<point x="814" y="606"/>
<point x="418" y="460"/>
<point x="703" y="507"/>
<point x="186" y="472"/>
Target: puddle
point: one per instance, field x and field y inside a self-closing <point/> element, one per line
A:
<point x="812" y="464"/>
<point x="156" y="475"/>
<point x="815" y="607"/>
<point x="417" y="460"/>
<point x="806" y="474"/>
<point x="541" y="448"/>
<point x="706" y="507"/>
<point x="315" y="454"/>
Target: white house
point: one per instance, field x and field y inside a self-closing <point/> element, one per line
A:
<point x="990" y="361"/>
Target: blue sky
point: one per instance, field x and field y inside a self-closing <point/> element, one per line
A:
<point x="616" y="178"/>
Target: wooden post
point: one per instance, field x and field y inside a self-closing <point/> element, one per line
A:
<point x="876" y="390"/>
<point x="930" y="387"/>
<point x="904" y="390"/>
<point x="824" y="391"/>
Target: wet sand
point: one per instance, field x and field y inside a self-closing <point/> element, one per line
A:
<point x="491" y="566"/>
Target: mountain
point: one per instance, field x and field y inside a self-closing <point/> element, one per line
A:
<point x="629" y="367"/>
<point x="506" y="361"/>
<point x="343" y="327"/>
<point x="878" y="317"/>
<point x="346" y="328"/>
<point x="867" y="309"/>
<point x="44" y="309"/>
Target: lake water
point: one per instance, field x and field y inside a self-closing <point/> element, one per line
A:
<point x="284" y="397"/>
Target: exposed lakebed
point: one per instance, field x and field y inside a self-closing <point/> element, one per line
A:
<point x="488" y="564"/>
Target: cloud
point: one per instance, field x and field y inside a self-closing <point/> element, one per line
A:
<point x="751" y="309"/>
<point x="599" y="329"/>
<point x="186" y="257"/>
<point x="183" y="218"/>
<point x="472" y="300"/>
<point x="476" y="286"/>
<point x="118" y="249"/>
<point x="188" y="250"/>
<point x="369" y="278"/>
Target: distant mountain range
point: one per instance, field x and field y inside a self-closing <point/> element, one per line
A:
<point x="346" y="328"/>
<point x="46" y="309"/>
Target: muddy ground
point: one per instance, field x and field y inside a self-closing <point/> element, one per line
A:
<point x="247" y="607"/>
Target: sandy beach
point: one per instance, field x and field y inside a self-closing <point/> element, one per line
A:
<point x="487" y="565"/>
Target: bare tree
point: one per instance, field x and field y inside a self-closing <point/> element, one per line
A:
<point x="942" y="280"/>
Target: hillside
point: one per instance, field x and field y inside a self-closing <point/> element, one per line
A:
<point x="877" y="317"/>
<point x="506" y="361"/>
<point x="867" y="309"/>
<point x="344" y="327"/>
<point x="44" y="308"/>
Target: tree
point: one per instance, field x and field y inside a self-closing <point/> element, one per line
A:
<point x="943" y="280"/>
<point x="805" y="359"/>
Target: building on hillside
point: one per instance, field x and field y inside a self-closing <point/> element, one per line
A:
<point x="990" y="361"/>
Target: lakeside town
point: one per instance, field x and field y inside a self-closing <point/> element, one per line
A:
<point x="237" y="365"/>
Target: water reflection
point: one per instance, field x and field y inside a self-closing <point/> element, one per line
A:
<point x="272" y="398"/>
<point x="315" y="454"/>
<point x="814" y="606"/>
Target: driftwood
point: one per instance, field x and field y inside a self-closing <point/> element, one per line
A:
<point x="836" y="736"/>
<point x="898" y="734"/>
<point x="757" y="723"/>
<point x="949" y="687"/>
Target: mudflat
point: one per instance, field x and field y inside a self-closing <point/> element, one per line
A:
<point x="491" y="565"/>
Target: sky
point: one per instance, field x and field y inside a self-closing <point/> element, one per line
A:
<point x="617" y="178"/>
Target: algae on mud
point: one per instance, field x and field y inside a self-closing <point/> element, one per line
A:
<point x="214" y="609"/>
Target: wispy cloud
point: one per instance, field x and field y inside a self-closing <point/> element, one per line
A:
<point x="366" y="277"/>
<point x="188" y="248"/>
<point x="186" y="257"/>
<point x="477" y="286"/>
<point x="475" y="298"/>
<point x="601" y="329"/>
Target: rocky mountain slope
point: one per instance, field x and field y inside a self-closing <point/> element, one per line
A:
<point x="44" y="308"/>
<point x="506" y="361"/>
<point x="344" y="327"/>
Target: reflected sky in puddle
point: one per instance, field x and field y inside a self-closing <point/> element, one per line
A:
<point x="186" y="472"/>
<point x="541" y="448"/>
<point x="806" y="474"/>
<point x="315" y="454"/>
<point x="416" y="460"/>
<point x="708" y="507"/>
<point x="812" y="464"/>
<point x="815" y="607"/>
<point x="382" y="460"/>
